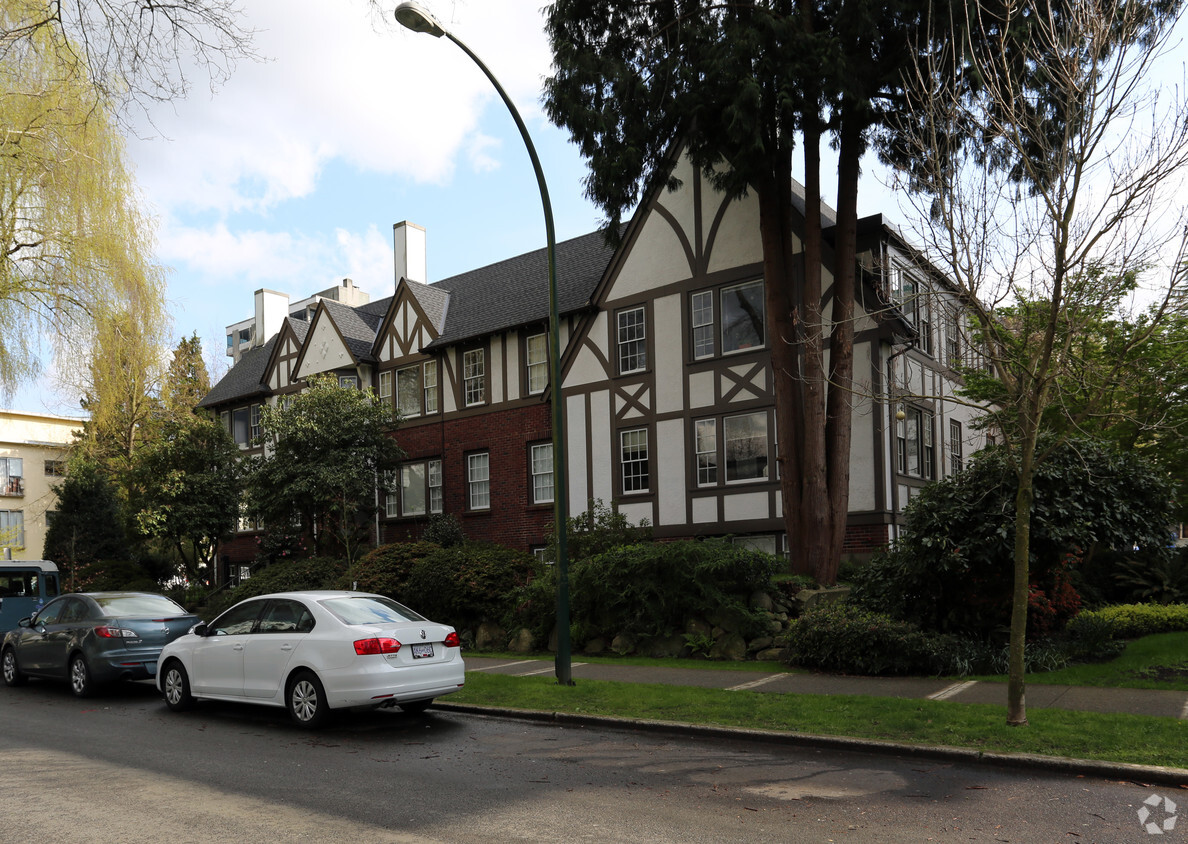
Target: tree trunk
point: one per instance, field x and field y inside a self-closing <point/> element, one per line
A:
<point x="1016" y="683"/>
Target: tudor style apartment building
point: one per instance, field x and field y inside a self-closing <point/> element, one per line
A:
<point x="666" y="379"/>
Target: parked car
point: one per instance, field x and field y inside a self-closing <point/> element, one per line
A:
<point x="93" y="638"/>
<point x="314" y="652"/>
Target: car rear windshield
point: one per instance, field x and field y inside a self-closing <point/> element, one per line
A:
<point x="370" y="610"/>
<point x="131" y="606"/>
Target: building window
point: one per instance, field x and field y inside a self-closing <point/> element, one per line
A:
<point x="420" y="489"/>
<point x="706" y="446"/>
<point x="55" y="468"/>
<point x="474" y="377"/>
<point x="915" y="447"/>
<point x="430" y="386"/>
<point x="746" y="446"/>
<point x="408" y="391"/>
<point x="742" y="317"/>
<point x="956" y="458"/>
<point x="351" y="381"/>
<point x="633" y="458"/>
<point x="255" y="423"/>
<point x="632" y="341"/>
<point x="953" y="343"/>
<point x="392" y="494"/>
<point x="542" y="473"/>
<point x="243" y="423"/>
<point x="12" y="476"/>
<point x="12" y="528"/>
<point x="433" y="477"/>
<point x="701" y="306"/>
<point x="537" y="359"/>
<point x="478" y="481"/>
<point x="385" y="388"/>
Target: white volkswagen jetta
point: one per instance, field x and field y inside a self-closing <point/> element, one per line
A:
<point x="312" y="652"/>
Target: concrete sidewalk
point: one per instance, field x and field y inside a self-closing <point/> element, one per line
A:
<point x="1168" y="704"/>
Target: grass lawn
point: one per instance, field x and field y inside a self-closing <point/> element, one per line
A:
<point x="1152" y="662"/>
<point x="1052" y="732"/>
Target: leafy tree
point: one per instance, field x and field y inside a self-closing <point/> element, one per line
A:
<point x="185" y="382"/>
<point x="74" y="245"/>
<point x="952" y="570"/>
<point x="87" y="525"/>
<point x="1042" y="158"/>
<point x="189" y="485"/>
<point x="327" y="451"/>
<point x="740" y="83"/>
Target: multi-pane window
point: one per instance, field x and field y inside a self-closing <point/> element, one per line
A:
<point x="12" y="528"/>
<point x="12" y="476"/>
<point x="408" y="391"/>
<point x="924" y="318"/>
<point x="412" y="489"/>
<point x="542" y="473"/>
<point x="478" y="481"/>
<point x="55" y="468"/>
<point x="419" y="488"/>
<point x="701" y="306"/>
<point x="474" y="377"/>
<point x="349" y="381"/>
<point x="633" y="459"/>
<point x="956" y="458"/>
<point x="392" y="496"/>
<point x="537" y="358"/>
<point x="632" y="340"/>
<point x="915" y="444"/>
<point x="433" y="478"/>
<point x="255" y="422"/>
<point x="706" y="447"/>
<point x="746" y="446"/>
<point x="385" y="387"/>
<point x="243" y="423"/>
<point x="953" y="342"/>
<point x="430" y="386"/>
<point x="742" y="317"/>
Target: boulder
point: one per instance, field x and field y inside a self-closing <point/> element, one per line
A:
<point x="812" y="597"/>
<point x="760" y="600"/>
<point x="729" y="646"/>
<point x="523" y="642"/>
<point x="595" y="646"/>
<point x="769" y="655"/>
<point x="663" y="647"/>
<point x="489" y="636"/>
<point x="623" y="644"/>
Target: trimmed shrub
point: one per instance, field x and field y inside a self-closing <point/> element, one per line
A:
<point x="386" y="570"/>
<point x="445" y="530"/>
<point x="284" y="576"/>
<point x="844" y="637"/>
<point x="114" y="575"/>
<point x="1130" y="621"/>
<point x="467" y="584"/>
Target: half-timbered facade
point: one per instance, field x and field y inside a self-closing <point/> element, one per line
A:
<point x="666" y="379"/>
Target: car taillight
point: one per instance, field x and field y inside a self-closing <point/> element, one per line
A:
<point x="114" y="633"/>
<point x="452" y="640"/>
<point x="363" y="647"/>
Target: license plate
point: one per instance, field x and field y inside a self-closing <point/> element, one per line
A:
<point x="422" y="651"/>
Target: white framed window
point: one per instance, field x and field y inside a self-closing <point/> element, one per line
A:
<point x="474" y="377"/>
<point x="392" y="493"/>
<point x="255" y="421"/>
<point x="746" y="446"/>
<point x="12" y="476"/>
<point x="633" y="460"/>
<point x="632" y="340"/>
<point x="953" y="354"/>
<point x="478" y="481"/>
<point x="541" y="460"/>
<point x="408" y="391"/>
<point x="12" y="528"/>
<point x="412" y="489"/>
<point x="243" y="423"/>
<point x="349" y="381"/>
<point x="433" y="477"/>
<point x="430" y="386"/>
<point x="956" y="457"/>
<point x="915" y="445"/>
<point x="537" y="360"/>
<point x="742" y="317"/>
<point x="706" y="446"/>
<point x="701" y="318"/>
<point x="764" y="542"/>
<point x="385" y="387"/>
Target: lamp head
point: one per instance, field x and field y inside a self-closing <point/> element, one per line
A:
<point x="416" y="17"/>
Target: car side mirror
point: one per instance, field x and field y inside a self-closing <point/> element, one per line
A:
<point x="199" y="629"/>
<point x="25" y="622"/>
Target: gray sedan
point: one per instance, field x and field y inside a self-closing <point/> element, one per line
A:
<point x="93" y="638"/>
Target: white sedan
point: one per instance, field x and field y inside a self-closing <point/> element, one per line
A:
<point x="313" y="652"/>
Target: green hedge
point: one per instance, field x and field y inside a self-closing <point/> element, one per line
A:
<point x="1130" y="621"/>
<point x="284" y="576"/>
<point x="465" y="585"/>
<point x="386" y="570"/>
<point x="844" y="637"/>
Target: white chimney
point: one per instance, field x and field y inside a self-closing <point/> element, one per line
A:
<point x="411" y="261"/>
<point x="271" y="309"/>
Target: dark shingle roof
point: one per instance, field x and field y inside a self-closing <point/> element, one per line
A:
<point x="433" y="300"/>
<point x="244" y="379"/>
<point x="516" y="291"/>
<point x="358" y="328"/>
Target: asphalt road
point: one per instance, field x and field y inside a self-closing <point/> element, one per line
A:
<point x="122" y="768"/>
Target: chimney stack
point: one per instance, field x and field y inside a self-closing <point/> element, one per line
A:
<point x="411" y="262"/>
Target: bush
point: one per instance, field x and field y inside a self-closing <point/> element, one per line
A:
<point x="842" y="636"/>
<point x="386" y="570"/>
<point x="598" y="530"/>
<point x="1130" y="621"/>
<point x="652" y="589"/>
<point x="467" y="584"/>
<point x="445" y="530"/>
<point x="113" y="576"/>
<point x="284" y="576"/>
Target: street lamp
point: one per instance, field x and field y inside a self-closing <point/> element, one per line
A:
<point x="416" y="17"/>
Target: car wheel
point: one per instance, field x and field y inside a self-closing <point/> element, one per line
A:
<point x="307" y="700"/>
<point x="416" y="707"/>
<point x="80" y="677"/>
<point x="12" y="671"/>
<point x="176" y="685"/>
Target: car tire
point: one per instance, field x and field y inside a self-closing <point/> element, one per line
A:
<point x="80" y="677"/>
<point x="175" y="685"/>
<point x="306" y="700"/>
<point x="12" y="671"/>
<point x="416" y="707"/>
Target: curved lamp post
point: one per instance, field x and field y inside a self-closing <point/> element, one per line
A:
<point x="416" y="17"/>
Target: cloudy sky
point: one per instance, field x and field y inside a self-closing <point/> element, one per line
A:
<point x="291" y="176"/>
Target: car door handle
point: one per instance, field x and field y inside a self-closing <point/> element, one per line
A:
<point x="237" y="647"/>
<point x="286" y="647"/>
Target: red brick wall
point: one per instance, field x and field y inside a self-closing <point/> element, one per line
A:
<point x="864" y="539"/>
<point x="505" y="434"/>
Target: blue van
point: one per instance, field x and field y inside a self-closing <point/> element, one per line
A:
<point x="25" y="586"/>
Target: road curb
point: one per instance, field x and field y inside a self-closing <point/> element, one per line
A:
<point x="1141" y="774"/>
